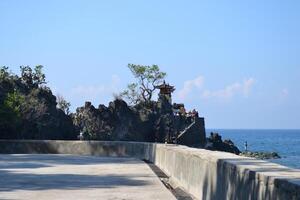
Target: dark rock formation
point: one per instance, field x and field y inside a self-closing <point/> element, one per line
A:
<point x="150" y="122"/>
<point x="261" y="155"/>
<point x="118" y="121"/>
<point x="28" y="110"/>
<point x="42" y="120"/>
<point x="193" y="134"/>
<point x="91" y="120"/>
<point x="214" y="142"/>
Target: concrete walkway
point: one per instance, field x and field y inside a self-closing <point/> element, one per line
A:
<point x="78" y="177"/>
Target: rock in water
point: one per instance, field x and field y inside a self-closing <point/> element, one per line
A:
<point x="261" y="155"/>
<point x="214" y="142"/>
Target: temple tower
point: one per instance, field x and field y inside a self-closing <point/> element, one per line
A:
<point x="166" y="92"/>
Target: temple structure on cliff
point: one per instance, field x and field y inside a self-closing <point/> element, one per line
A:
<point x="180" y="126"/>
<point x="161" y="121"/>
<point x="166" y="90"/>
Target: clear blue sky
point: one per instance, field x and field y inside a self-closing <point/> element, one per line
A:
<point x="237" y="62"/>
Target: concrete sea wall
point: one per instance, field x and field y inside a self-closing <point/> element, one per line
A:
<point x="204" y="174"/>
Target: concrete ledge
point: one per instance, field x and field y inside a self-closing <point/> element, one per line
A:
<point x="204" y="174"/>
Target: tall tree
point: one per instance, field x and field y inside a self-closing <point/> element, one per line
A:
<point x="148" y="78"/>
<point x="33" y="77"/>
<point x="4" y="73"/>
<point x="62" y="104"/>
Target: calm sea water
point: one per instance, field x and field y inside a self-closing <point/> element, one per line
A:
<point x="284" y="142"/>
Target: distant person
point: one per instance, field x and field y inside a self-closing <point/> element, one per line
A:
<point x="246" y="146"/>
<point x="81" y="136"/>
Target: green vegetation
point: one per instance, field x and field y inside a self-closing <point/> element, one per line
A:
<point x="33" y="78"/>
<point x="28" y="107"/>
<point x="148" y="78"/>
<point x="63" y="105"/>
<point x="10" y="112"/>
<point x="29" y="110"/>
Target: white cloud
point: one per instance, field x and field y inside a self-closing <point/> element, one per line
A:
<point x="238" y="88"/>
<point x="189" y="85"/>
<point x="95" y="91"/>
<point x="284" y="93"/>
<point x="231" y="90"/>
<point x="247" y="86"/>
<point x="228" y="92"/>
<point x="88" y="90"/>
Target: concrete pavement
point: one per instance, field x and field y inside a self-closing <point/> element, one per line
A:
<point x="48" y="176"/>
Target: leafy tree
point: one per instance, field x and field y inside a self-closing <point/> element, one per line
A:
<point x="28" y="107"/>
<point x="63" y="105"/>
<point x="26" y="75"/>
<point x="10" y="115"/>
<point x="33" y="78"/>
<point x="4" y="73"/>
<point x="14" y="101"/>
<point x="131" y="94"/>
<point x="148" y="78"/>
<point x="39" y="78"/>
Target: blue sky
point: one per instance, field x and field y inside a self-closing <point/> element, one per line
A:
<point x="237" y="62"/>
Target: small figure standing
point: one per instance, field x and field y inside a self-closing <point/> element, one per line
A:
<point x="81" y="137"/>
<point x="246" y="146"/>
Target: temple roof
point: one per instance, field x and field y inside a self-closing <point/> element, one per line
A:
<point x="166" y="87"/>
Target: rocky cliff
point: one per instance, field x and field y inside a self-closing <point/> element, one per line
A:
<point x="151" y="122"/>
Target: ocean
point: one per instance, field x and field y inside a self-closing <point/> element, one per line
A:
<point x="285" y="142"/>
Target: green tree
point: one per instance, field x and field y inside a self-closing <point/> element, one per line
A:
<point x="39" y="77"/>
<point x="33" y="77"/>
<point x="10" y="115"/>
<point x="26" y="75"/>
<point x="131" y="94"/>
<point x="4" y="73"/>
<point x="148" y="78"/>
<point x="62" y="104"/>
<point x="14" y="101"/>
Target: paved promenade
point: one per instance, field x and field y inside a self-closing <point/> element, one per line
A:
<point x="45" y="177"/>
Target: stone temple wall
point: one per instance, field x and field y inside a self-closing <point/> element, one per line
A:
<point x="202" y="173"/>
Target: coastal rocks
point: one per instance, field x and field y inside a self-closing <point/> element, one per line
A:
<point x="214" y="142"/>
<point x="122" y="121"/>
<point x="40" y="119"/>
<point x="118" y="121"/>
<point x="261" y="155"/>
<point x="145" y="122"/>
<point x="164" y="129"/>
<point x="192" y="131"/>
<point x="93" y="123"/>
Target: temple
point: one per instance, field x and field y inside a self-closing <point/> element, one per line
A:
<point x="166" y="90"/>
<point x="180" y="126"/>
